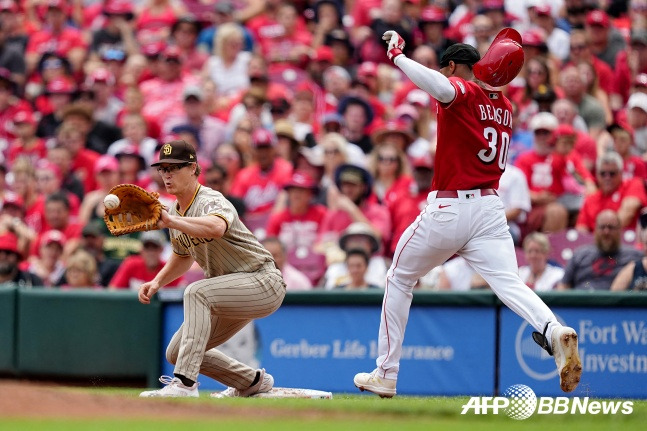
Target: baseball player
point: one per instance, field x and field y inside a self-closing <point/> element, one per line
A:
<point x="241" y="281"/>
<point x="464" y="215"/>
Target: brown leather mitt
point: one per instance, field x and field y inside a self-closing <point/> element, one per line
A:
<point x="138" y="210"/>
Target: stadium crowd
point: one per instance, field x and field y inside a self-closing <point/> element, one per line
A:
<point x="323" y="146"/>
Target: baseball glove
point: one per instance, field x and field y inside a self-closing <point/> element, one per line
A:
<point x="138" y="210"/>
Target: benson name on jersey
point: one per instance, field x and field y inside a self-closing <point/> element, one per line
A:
<point x="498" y="115"/>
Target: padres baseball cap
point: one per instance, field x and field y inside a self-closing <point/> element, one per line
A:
<point x="176" y="152"/>
<point x="460" y="53"/>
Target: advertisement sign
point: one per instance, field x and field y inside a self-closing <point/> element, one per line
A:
<point x="447" y="350"/>
<point x="612" y="346"/>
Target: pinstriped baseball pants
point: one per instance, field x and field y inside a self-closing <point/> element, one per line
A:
<point x="214" y="310"/>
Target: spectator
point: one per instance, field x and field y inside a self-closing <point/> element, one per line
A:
<point x="348" y="202"/>
<point x="566" y="113"/>
<point x="132" y="167"/>
<point x="405" y="211"/>
<point x="12" y="219"/>
<point x="154" y="18"/>
<point x="390" y="17"/>
<point x="184" y="34"/>
<point x="633" y="276"/>
<point x="49" y="181"/>
<point x="228" y="66"/>
<point x="11" y="57"/>
<point x="83" y="159"/>
<point x="289" y="48"/>
<point x="223" y="13"/>
<point x="395" y="132"/>
<point x="26" y="144"/>
<point x="135" y="135"/>
<point x="637" y="119"/>
<point x="624" y="197"/>
<point x="357" y="264"/>
<point x="93" y="237"/>
<point x="580" y="52"/>
<point x="143" y="267"/>
<point x="57" y="35"/>
<point x="59" y="93"/>
<point x="622" y="137"/>
<point x="593" y="88"/>
<point x="24" y="185"/>
<point x="106" y="171"/>
<point x="538" y="273"/>
<point x="287" y="144"/>
<point x="294" y="279"/>
<point x="630" y="63"/>
<point x="328" y="15"/>
<point x="259" y="184"/>
<point x="606" y="40"/>
<point x="544" y="183"/>
<point x="10" y="258"/>
<point x="117" y="31"/>
<point x="515" y="195"/>
<point x="536" y="74"/>
<point x="589" y="108"/>
<point x="163" y="94"/>
<point x="356" y="236"/>
<point x="557" y="38"/>
<point x="211" y="131"/>
<point x="357" y="115"/>
<point x="80" y="271"/>
<point x="57" y="216"/>
<point x="391" y="172"/>
<point x="594" y="267"/>
<point x="229" y="157"/>
<point x="62" y="157"/>
<point x="432" y="24"/>
<point x="98" y="135"/>
<point x="48" y="263"/>
<point x="102" y="84"/>
<point x="298" y="225"/>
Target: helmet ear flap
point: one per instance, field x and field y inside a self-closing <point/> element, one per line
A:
<point x="503" y="60"/>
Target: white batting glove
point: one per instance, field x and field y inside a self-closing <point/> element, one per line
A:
<point x="396" y="44"/>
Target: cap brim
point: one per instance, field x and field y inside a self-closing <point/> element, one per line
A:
<point x="171" y="161"/>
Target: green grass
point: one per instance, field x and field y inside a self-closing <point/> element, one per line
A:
<point x="344" y="412"/>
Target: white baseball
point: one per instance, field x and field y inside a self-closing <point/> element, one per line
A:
<point x="111" y="201"/>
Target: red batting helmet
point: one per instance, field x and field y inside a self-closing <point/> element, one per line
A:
<point x="502" y="61"/>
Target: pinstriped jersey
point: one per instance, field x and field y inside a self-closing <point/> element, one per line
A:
<point x="237" y="251"/>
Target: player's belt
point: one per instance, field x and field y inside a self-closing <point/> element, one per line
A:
<point x="454" y="193"/>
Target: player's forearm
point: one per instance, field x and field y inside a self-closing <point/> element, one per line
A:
<point x="429" y="80"/>
<point x="199" y="227"/>
<point x="176" y="267"/>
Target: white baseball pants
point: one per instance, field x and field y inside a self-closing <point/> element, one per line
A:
<point x="474" y="227"/>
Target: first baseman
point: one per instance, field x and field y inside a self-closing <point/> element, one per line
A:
<point x="241" y="281"/>
<point x="464" y="215"/>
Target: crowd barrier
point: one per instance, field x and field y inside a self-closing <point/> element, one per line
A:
<point x="455" y="344"/>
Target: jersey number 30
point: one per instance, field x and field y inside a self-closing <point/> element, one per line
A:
<point x="488" y="155"/>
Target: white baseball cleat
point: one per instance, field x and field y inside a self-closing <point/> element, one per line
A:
<point x="174" y="388"/>
<point x="567" y="358"/>
<point x="371" y="382"/>
<point x="265" y="384"/>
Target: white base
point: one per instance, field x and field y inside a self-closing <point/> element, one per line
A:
<point x="294" y="393"/>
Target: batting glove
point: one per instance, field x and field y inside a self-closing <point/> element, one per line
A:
<point x="396" y="44"/>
